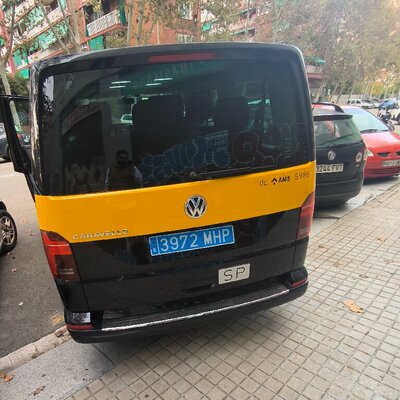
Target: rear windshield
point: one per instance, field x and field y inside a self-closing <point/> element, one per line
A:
<point x="336" y="132"/>
<point x="366" y="122"/>
<point x="158" y="124"/>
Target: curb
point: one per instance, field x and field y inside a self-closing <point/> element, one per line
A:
<point x="33" y="350"/>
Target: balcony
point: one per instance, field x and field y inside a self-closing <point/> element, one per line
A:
<point x="103" y="23"/>
<point x="40" y="55"/>
<point x="23" y="8"/>
<point x="312" y="69"/>
<point x="55" y="16"/>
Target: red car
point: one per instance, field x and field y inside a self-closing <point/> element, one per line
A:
<point x="383" y="145"/>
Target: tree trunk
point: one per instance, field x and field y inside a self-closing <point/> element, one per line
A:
<point x="139" y="31"/>
<point x="130" y="17"/>
<point x="77" y="36"/>
<point x="57" y="36"/>
<point x="333" y="92"/>
<point x="340" y="92"/>
<point x="4" y="79"/>
<point x="352" y="90"/>
<point x="146" y="36"/>
<point x="69" y="26"/>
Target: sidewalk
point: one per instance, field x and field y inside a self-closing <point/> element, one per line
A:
<point x="314" y="347"/>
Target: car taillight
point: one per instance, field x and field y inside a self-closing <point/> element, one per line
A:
<point x="59" y="255"/>
<point x="306" y="216"/>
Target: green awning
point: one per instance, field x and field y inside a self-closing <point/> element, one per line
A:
<point x="315" y="60"/>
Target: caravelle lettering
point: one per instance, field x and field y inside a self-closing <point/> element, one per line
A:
<point x="97" y="235"/>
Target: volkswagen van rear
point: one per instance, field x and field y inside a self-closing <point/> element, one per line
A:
<point x="197" y="208"/>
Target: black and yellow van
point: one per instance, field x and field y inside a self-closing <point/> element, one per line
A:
<point x="198" y="206"/>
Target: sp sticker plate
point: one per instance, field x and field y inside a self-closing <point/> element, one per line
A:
<point x="232" y="274"/>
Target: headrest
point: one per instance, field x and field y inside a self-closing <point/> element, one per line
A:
<point x="198" y="108"/>
<point x="231" y="113"/>
<point x="157" y="112"/>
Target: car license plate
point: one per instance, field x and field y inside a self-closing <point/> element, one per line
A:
<point x="329" y="168"/>
<point x="191" y="240"/>
<point x="232" y="274"/>
<point x="391" y="163"/>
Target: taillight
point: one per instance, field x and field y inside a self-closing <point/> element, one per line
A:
<point x="306" y="216"/>
<point x="299" y="283"/>
<point x="59" y="256"/>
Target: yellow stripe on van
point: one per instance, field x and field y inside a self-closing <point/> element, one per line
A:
<point x="102" y="216"/>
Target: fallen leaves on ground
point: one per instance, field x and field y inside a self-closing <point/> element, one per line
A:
<point x="353" y="307"/>
<point x="6" y="378"/>
<point x="57" y="319"/>
<point x="21" y="304"/>
<point x="14" y="270"/>
<point x="38" y="390"/>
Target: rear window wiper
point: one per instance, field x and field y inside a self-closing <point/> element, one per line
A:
<point x="369" y="130"/>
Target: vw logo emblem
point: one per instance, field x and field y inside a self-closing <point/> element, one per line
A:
<point x="331" y="155"/>
<point x="196" y="206"/>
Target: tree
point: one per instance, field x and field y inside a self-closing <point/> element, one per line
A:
<point x="220" y="18"/>
<point x="5" y="58"/>
<point x="18" y="85"/>
<point x="348" y="35"/>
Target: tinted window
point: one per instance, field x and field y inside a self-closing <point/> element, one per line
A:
<point x="337" y="132"/>
<point x="20" y="113"/>
<point x="189" y="121"/>
<point x="365" y="121"/>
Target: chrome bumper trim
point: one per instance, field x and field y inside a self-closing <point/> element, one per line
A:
<point x="195" y="315"/>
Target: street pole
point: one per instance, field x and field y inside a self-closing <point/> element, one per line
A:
<point x="77" y="36"/>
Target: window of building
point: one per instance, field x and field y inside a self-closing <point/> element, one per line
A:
<point x="53" y="5"/>
<point x="185" y="11"/>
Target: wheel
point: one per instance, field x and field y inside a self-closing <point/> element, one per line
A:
<point x="7" y="157"/>
<point x="8" y="230"/>
<point x="398" y="119"/>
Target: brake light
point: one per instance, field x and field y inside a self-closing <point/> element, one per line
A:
<point x="306" y="216"/>
<point x="299" y="283"/>
<point x="59" y="256"/>
<point x="181" y="57"/>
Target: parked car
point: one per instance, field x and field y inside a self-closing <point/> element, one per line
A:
<point x="375" y="102"/>
<point x="4" y="149"/>
<point x="340" y="155"/>
<point x="20" y="121"/>
<point x="360" y="103"/>
<point x="372" y="103"/>
<point x="8" y="230"/>
<point x="391" y="104"/>
<point x="383" y="145"/>
<point x="126" y="119"/>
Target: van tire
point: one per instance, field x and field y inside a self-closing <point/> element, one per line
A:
<point x="9" y="231"/>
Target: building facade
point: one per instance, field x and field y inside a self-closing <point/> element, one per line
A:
<point x="48" y="29"/>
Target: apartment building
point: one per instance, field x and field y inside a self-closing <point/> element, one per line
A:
<point x="48" y="29"/>
<point x="250" y="23"/>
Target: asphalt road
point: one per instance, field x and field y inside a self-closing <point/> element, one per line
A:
<point x="30" y="307"/>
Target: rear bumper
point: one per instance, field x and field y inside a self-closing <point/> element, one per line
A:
<point x="188" y="317"/>
<point x="330" y="193"/>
